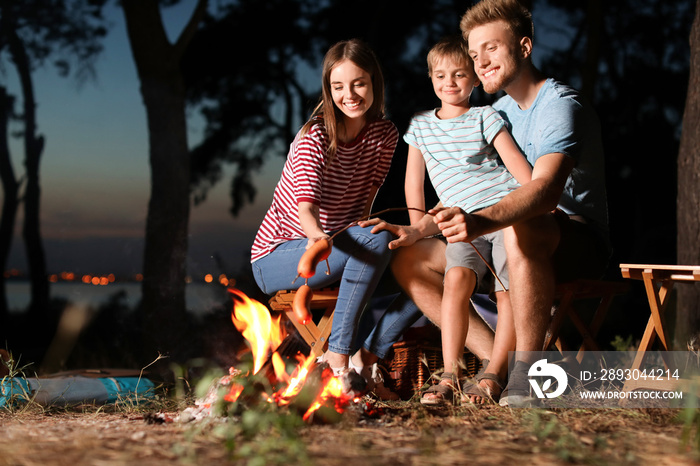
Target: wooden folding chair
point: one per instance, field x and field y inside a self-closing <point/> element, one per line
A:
<point x="567" y="294"/>
<point x="315" y="334"/>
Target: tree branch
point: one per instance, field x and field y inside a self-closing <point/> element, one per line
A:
<point x="191" y="27"/>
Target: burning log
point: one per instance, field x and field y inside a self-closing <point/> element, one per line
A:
<point x="310" y="388"/>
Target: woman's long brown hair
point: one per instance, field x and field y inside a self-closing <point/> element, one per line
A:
<point x="362" y="55"/>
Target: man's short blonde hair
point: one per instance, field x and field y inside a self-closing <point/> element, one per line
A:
<point x="512" y="12"/>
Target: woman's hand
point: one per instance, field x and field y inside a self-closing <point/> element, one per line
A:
<point x="405" y="235"/>
<point x="311" y="241"/>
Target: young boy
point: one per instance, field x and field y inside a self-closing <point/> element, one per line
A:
<point x="460" y="146"/>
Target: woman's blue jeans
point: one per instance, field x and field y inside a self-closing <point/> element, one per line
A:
<point x="357" y="262"/>
<point x="400" y="314"/>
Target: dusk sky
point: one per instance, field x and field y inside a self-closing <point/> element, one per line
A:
<point x="95" y="172"/>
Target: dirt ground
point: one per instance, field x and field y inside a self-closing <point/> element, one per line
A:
<point x="403" y="433"/>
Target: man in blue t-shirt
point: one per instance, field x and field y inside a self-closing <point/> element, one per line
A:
<point x="555" y="226"/>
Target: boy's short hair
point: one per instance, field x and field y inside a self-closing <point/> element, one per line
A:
<point x="512" y="12"/>
<point x="453" y="47"/>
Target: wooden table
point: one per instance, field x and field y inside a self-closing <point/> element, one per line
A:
<point x="658" y="282"/>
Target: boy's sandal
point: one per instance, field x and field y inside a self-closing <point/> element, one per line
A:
<point x="465" y="382"/>
<point x="482" y="371"/>
<point x="444" y="392"/>
<point x="475" y="390"/>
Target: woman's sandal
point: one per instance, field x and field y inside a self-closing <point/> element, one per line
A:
<point x="474" y="390"/>
<point x="444" y="391"/>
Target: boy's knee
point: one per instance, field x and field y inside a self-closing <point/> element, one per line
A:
<point x="459" y="278"/>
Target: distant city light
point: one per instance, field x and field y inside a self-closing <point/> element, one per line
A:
<point x="102" y="280"/>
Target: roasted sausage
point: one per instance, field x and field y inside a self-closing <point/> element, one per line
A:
<point x="301" y="304"/>
<point x="318" y="251"/>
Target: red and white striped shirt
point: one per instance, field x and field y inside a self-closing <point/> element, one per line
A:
<point x="341" y="190"/>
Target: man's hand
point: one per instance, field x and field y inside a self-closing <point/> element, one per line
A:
<point x="405" y="235"/>
<point x="453" y="222"/>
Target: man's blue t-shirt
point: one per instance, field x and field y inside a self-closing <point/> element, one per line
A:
<point x="558" y="121"/>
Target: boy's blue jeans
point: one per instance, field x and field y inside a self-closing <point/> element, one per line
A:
<point x="357" y="261"/>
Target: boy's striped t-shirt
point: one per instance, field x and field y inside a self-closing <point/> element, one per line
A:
<point x="462" y="163"/>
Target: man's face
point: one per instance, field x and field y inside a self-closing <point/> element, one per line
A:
<point x="497" y="60"/>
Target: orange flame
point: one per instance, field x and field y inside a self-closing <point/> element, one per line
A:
<point x="296" y="382"/>
<point x="279" y="367"/>
<point x="332" y="391"/>
<point x="234" y="392"/>
<point x="264" y="334"/>
<point x="253" y="320"/>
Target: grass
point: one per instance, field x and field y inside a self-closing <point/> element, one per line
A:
<point x="404" y="432"/>
<point x="16" y="395"/>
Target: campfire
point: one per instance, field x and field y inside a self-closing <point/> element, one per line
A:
<point x="299" y="381"/>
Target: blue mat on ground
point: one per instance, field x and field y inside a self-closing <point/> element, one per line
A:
<point x="72" y="390"/>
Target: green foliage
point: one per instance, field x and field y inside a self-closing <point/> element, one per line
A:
<point x="67" y="32"/>
<point x="265" y="436"/>
<point x="254" y="431"/>
<point x="622" y="344"/>
<point x="690" y="417"/>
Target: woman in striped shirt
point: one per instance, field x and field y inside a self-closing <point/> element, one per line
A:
<point x="334" y="168"/>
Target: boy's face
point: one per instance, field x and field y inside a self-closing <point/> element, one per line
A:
<point x="453" y="82"/>
<point x="497" y="62"/>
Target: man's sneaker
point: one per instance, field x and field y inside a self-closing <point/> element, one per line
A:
<point x="517" y="393"/>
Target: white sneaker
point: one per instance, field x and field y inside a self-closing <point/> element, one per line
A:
<point x="375" y="381"/>
<point x="337" y="371"/>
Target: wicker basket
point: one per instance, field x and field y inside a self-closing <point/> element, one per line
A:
<point x="411" y="363"/>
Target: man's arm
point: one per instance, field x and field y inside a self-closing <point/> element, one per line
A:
<point x="538" y="197"/>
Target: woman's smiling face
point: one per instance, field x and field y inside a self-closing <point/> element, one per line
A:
<point x="351" y="87"/>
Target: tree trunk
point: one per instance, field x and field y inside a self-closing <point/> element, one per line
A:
<point x="688" y="205"/>
<point x="163" y="91"/>
<point x="10" y="188"/>
<point x="33" y="146"/>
